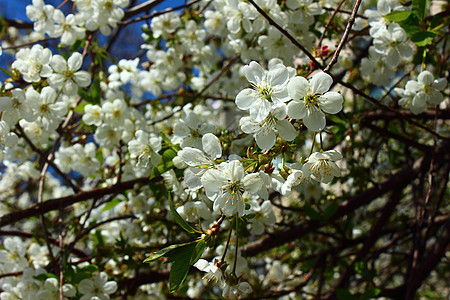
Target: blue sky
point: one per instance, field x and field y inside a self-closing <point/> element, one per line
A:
<point x="129" y="39"/>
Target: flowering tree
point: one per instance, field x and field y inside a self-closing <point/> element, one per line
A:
<point x="277" y="149"/>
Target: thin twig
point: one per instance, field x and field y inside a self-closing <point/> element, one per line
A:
<point x="146" y="17"/>
<point x="53" y="204"/>
<point x="351" y="20"/>
<point x="210" y="83"/>
<point x="28" y="44"/>
<point x="329" y="22"/>
<point x="143" y="7"/>
<point x="285" y="33"/>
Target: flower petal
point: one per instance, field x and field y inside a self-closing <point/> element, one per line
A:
<point x="296" y="110"/>
<point x="253" y="72"/>
<point x="211" y="145"/>
<point x="315" y="121"/>
<point x="246" y="98"/>
<point x="286" y="130"/>
<point x="75" y="61"/>
<point x="265" y="141"/>
<point x="331" y="102"/>
<point x="297" y="87"/>
<point x="320" y="83"/>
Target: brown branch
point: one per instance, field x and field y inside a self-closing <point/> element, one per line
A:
<point x="329" y="22"/>
<point x="345" y="12"/>
<point x="400" y="138"/>
<point x="285" y="33"/>
<point x="96" y="225"/>
<point x="11" y="274"/>
<point x="146" y="17"/>
<point x="45" y="158"/>
<point x="376" y="102"/>
<point x="28" y="44"/>
<point x="76" y="251"/>
<point x="427" y="115"/>
<point x="19" y="24"/>
<point x="374" y="235"/>
<point x="44" y="207"/>
<point x="130" y="285"/>
<point x="422" y="271"/>
<point x="397" y="181"/>
<point x="351" y="20"/>
<point x="143" y="7"/>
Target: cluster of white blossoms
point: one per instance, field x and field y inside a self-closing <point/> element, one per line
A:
<point x="215" y="274"/>
<point x="37" y="62"/>
<point x="418" y="95"/>
<point x="16" y="257"/>
<point x="276" y="95"/>
<point x="95" y="15"/>
<point x="390" y="46"/>
<point x="228" y="133"/>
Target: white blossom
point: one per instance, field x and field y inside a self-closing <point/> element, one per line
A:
<point x="268" y="89"/>
<point x="99" y="288"/>
<point x="322" y="166"/>
<point x="311" y="99"/>
<point x="266" y="131"/>
<point x="67" y="75"/>
<point x="145" y="148"/>
<point x="226" y="186"/>
<point x="33" y="63"/>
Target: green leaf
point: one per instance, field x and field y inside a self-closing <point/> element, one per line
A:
<point x="96" y="91"/>
<point x="398" y="15"/>
<point x="165" y="164"/>
<point x="312" y="213"/>
<point x="89" y="269"/>
<point x="182" y="222"/>
<point x="423" y="38"/>
<point x="344" y="294"/>
<point x="411" y="25"/>
<point x="80" y="108"/>
<point x="9" y="73"/>
<point x="45" y="276"/>
<point x="419" y="8"/>
<point x="111" y="204"/>
<point x="164" y="252"/>
<point x="84" y="95"/>
<point x="370" y="294"/>
<point x="330" y="210"/>
<point x="181" y="258"/>
<point x="436" y="22"/>
<point x="78" y="276"/>
<point x="198" y="251"/>
<point x="165" y="138"/>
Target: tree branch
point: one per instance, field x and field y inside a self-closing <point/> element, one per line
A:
<point x="398" y="181"/>
<point x="62" y="202"/>
<point x="351" y="20"/>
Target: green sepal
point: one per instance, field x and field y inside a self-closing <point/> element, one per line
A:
<point x="422" y="38"/>
<point x="164" y="252"/>
<point x="182" y="256"/>
<point x="398" y="15"/>
<point x="182" y="222"/>
<point x="419" y="8"/>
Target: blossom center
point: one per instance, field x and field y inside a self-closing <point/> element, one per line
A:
<point x="45" y="108"/>
<point x="235" y="187"/>
<point x="15" y="103"/>
<point x="312" y="101"/>
<point x="321" y="164"/>
<point x="265" y="92"/>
